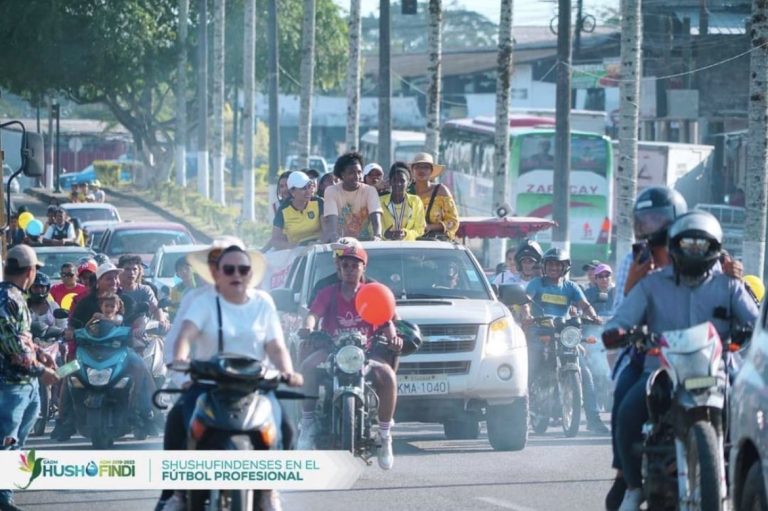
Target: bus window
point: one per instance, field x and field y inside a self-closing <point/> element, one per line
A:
<point x="536" y="152"/>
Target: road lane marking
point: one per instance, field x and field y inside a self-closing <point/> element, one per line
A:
<point x="505" y="504"/>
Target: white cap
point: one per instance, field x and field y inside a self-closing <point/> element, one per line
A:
<point x="298" y="179"/>
<point x="107" y="268"/>
<point x="345" y="242"/>
<point x="368" y="168"/>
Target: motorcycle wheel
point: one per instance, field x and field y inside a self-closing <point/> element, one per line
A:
<point x="348" y="424"/>
<point x="753" y="495"/>
<point x="570" y="400"/>
<point x="703" y="467"/>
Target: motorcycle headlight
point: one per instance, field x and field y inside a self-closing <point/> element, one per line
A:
<point x="503" y="337"/>
<point x="570" y="336"/>
<point x="98" y="377"/>
<point x="350" y="359"/>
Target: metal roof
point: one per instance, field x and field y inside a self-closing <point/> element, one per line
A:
<point x="720" y="22"/>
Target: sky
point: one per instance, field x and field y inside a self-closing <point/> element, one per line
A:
<point x="526" y="12"/>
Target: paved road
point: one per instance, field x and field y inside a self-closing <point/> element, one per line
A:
<point x="431" y="473"/>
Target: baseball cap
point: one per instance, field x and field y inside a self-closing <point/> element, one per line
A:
<point x="87" y="266"/>
<point x="371" y="166"/>
<point x="594" y="263"/>
<point x="353" y="251"/>
<point x="298" y="180"/>
<point x="344" y="242"/>
<point x="602" y="268"/>
<point x="107" y="268"/>
<point x="22" y="256"/>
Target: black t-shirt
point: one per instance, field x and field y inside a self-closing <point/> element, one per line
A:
<point x="88" y="306"/>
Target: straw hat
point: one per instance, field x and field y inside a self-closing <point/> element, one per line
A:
<point x="427" y="158"/>
<point x="199" y="259"/>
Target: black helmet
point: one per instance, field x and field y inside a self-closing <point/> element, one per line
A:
<point x="560" y="255"/>
<point x="695" y="242"/>
<point x="410" y="334"/>
<point x="41" y="280"/>
<point x="655" y="209"/>
<point x="528" y="248"/>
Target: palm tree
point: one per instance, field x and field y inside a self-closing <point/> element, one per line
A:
<point x="218" y="102"/>
<point x="181" y="97"/>
<point x="249" y="84"/>
<point x="434" y="71"/>
<point x="307" y="82"/>
<point x="353" y="76"/>
<point x="504" y="71"/>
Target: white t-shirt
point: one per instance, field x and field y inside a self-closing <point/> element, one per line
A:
<point x="246" y="327"/>
<point x="352" y="208"/>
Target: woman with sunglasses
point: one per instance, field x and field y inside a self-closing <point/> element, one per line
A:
<point x="299" y="219"/>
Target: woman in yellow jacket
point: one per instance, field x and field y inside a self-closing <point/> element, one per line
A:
<point x="402" y="213"/>
<point x="442" y="215"/>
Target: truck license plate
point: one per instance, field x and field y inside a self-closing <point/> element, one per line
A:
<point x="422" y="384"/>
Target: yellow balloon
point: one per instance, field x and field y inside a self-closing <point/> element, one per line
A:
<point x="756" y="285"/>
<point x="25" y="218"/>
<point x="66" y="302"/>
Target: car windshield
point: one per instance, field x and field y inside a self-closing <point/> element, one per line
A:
<point x="167" y="268"/>
<point x="144" y="242"/>
<point x="418" y="273"/>
<point x="92" y="214"/>
<point x="52" y="261"/>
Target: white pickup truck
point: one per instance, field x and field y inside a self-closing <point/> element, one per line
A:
<point x="473" y="364"/>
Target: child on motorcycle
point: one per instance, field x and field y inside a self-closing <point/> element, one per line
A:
<point x="111" y="309"/>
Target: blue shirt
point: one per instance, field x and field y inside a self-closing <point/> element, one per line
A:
<point x="554" y="299"/>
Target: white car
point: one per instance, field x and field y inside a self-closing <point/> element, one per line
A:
<point x="473" y="364"/>
<point x="92" y="211"/>
<point x="7" y="172"/>
<point x="162" y="269"/>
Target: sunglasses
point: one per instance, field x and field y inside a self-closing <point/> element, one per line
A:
<point x="603" y="276"/>
<point x="65" y="275"/>
<point x="242" y="269"/>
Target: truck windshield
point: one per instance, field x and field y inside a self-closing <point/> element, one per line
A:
<point x="418" y="273"/>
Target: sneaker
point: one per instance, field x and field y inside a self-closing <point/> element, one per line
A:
<point x="597" y="426"/>
<point x="306" y="441"/>
<point x="386" y="458"/>
<point x="176" y="503"/>
<point x="632" y="500"/>
<point x="270" y="501"/>
<point x="615" y="494"/>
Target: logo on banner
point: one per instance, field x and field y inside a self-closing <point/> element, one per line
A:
<point x="52" y="469"/>
<point x="32" y="465"/>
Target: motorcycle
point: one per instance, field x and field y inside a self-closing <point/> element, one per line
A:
<point x="683" y="461"/>
<point x="234" y="415"/>
<point x="100" y="389"/>
<point x="149" y="345"/>
<point x="49" y="338"/>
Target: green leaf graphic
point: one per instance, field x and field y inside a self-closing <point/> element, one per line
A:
<point x="31" y="458"/>
<point x="36" y="471"/>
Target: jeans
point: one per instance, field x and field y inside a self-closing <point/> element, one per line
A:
<point x="19" y="408"/>
<point x="588" y="391"/>
<point x="626" y="379"/>
<point x="633" y="413"/>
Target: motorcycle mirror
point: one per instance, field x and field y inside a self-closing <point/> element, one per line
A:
<point x="61" y="314"/>
<point x="514" y="295"/>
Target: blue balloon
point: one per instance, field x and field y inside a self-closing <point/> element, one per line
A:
<point x="35" y="228"/>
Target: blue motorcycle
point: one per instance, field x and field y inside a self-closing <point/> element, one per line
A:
<point x="101" y="388"/>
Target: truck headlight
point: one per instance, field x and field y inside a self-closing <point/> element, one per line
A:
<point x="350" y="359"/>
<point x="570" y="336"/>
<point x="502" y="337"/>
<point x="98" y="377"/>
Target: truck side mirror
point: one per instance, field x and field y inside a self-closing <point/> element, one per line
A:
<point x="32" y="155"/>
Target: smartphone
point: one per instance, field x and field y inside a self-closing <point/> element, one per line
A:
<point x="641" y="252"/>
<point x="68" y="368"/>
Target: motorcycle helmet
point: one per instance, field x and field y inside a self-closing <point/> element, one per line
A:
<point x="655" y="209"/>
<point x="528" y="248"/>
<point x="42" y="286"/>
<point x="559" y="255"/>
<point x="100" y="259"/>
<point x="411" y="336"/>
<point x="695" y="242"/>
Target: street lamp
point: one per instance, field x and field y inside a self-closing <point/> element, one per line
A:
<point x="56" y="110"/>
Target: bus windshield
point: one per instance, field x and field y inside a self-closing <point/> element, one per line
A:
<point x="587" y="153"/>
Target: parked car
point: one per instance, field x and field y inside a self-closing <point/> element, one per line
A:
<point x="162" y="269"/>
<point x="92" y="211"/>
<point x="94" y="230"/>
<point x="473" y="364"/>
<point x="142" y="238"/>
<point x="749" y="436"/>
<point x="53" y="257"/>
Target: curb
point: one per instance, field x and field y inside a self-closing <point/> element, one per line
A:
<point x="200" y="236"/>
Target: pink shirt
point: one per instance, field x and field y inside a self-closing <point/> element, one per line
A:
<point x="341" y="320"/>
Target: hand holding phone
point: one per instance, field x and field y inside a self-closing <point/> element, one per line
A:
<point x="641" y="252"/>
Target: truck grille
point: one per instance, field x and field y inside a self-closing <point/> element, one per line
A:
<point x="448" y="338"/>
<point x="461" y="367"/>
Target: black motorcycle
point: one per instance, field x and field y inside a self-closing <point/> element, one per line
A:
<point x="49" y="339"/>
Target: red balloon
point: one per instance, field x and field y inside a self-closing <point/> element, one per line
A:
<point x="375" y="303"/>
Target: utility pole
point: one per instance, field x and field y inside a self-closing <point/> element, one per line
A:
<point x="353" y="77"/>
<point x="49" y="172"/>
<point x="757" y="151"/>
<point x="249" y="128"/>
<point x="57" y="113"/>
<point x="235" y="134"/>
<point x="562" y="178"/>
<point x="181" y="97"/>
<point x="274" y="89"/>
<point x="307" y="83"/>
<point x="218" y="101"/>
<point x="203" y="180"/>
<point x="434" y="71"/>
<point x="629" y="92"/>
<point x="385" y="88"/>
